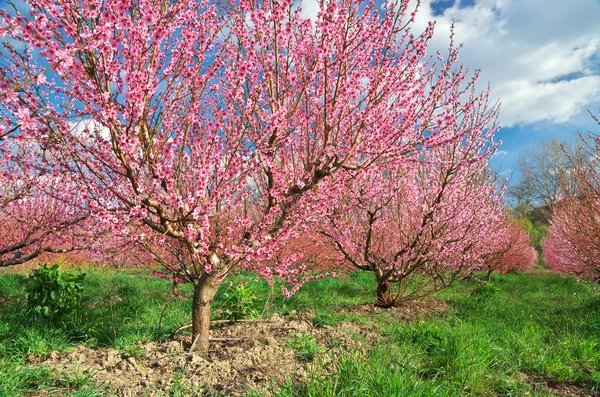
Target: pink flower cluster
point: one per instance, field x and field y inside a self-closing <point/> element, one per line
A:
<point x="167" y="276"/>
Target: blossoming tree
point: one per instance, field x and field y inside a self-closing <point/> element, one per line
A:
<point x="223" y="131"/>
<point x="573" y="242"/>
<point x="420" y="226"/>
<point x="36" y="214"/>
<point x="511" y="251"/>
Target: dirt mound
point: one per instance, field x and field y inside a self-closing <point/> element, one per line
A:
<point x="242" y="356"/>
<point x="409" y="312"/>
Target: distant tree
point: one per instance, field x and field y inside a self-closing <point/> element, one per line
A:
<point x="545" y="177"/>
<point x="537" y="229"/>
<point x="536" y="233"/>
<point x="419" y="228"/>
<point x="512" y="249"/>
<point x="38" y="214"/>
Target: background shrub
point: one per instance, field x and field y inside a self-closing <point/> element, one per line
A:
<point x="51" y="293"/>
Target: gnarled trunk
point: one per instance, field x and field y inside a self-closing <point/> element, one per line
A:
<point x="383" y="294"/>
<point x="204" y="292"/>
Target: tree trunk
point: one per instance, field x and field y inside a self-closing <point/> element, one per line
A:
<point x="488" y="275"/>
<point x="383" y="288"/>
<point x="204" y="292"/>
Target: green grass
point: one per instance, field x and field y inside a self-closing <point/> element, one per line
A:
<point x="509" y="343"/>
<point x="529" y="330"/>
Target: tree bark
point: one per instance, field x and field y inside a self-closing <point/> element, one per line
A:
<point x="204" y="292"/>
<point x="488" y="275"/>
<point x="383" y="288"/>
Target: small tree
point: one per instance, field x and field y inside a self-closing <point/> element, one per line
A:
<point x="420" y="226"/>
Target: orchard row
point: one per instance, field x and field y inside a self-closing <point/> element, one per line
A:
<point x="208" y="138"/>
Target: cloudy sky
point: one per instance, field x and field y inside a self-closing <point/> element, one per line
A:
<point x="541" y="57"/>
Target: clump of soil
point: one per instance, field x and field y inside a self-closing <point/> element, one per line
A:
<point x="560" y="389"/>
<point x="5" y="301"/>
<point x="241" y="356"/>
<point x="408" y="312"/>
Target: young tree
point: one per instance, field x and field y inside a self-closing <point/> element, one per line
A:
<point x="419" y="226"/>
<point x="223" y="132"/>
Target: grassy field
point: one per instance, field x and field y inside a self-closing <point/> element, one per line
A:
<point x="531" y="335"/>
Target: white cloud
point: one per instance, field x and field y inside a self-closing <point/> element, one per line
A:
<point x="88" y="128"/>
<point x="527" y="101"/>
<point x="310" y="9"/>
<point x="540" y="56"/>
<point x="500" y="153"/>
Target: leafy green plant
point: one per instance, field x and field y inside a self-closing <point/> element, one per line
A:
<point x="241" y="302"/>
<point x="484" y="290"/>
<point x="51" y="293"/>
<point x="304" y="345"/>
<point x="134" y="351"/>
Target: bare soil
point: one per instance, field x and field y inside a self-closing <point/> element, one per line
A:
<point x="538" y="270"/>
<point x="242" y="356"/>
<point x="409" y="312"/>
<point x="24" y="268"/>
<point x="560" y="389"/>
<point x="4" y="301"/>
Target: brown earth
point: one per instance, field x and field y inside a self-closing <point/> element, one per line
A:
<point x="251" y="355"/>
<point x="24" y="268"/>
<point x="409" y="312"/>
<point x="242" y="356"/>
<point x="4" y="301"/>
<point x="559" y="389"/>
<point x="538" y="270"/>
